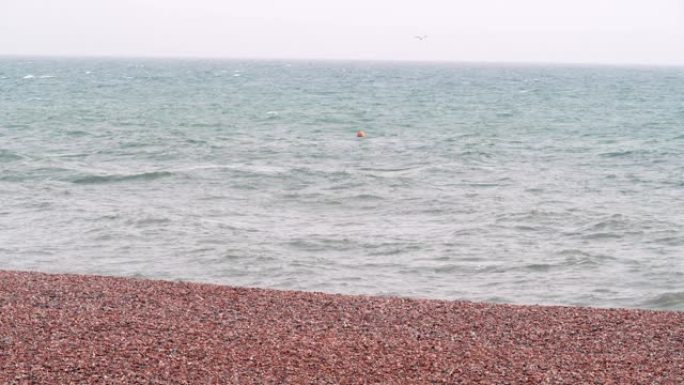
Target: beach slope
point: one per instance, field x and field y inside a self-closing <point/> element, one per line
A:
<point x="70" y="329"/>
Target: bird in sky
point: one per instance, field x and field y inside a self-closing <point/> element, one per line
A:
<point x="420" y="37"/>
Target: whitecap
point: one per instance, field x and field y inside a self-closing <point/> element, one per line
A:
<point x="46" y="76"/>
<point x="29" y="76"/>
<point x="237" y="75"/>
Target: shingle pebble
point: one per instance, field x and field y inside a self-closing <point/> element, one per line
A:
<point x="70" y="329"/>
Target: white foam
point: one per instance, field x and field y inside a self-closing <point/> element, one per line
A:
<point x="46" y="76"/>
<point x="29" y="76"/>
<point x="237" y="75"/>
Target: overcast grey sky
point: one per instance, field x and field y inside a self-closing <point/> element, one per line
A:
<point x="588" y="31"/>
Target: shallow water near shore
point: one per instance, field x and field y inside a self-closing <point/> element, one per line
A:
<point x="505" y="183"/>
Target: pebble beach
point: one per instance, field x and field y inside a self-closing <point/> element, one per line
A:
<point x="71" y="329"/>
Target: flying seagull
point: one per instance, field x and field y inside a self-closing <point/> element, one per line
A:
<point x="420" y="37"/>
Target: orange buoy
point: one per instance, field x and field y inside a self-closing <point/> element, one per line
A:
<point x="360" y="134"/>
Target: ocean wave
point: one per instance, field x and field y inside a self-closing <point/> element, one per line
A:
<point x="8" y="156"/>
<point x="577" y="257"/>
<point x="103" y="179"/>
<point x="77" y="133"/>
<point x="532" y="216"/>
<point x="41" y="174"/>
<point x="541" y="267"/>
<point x="390" y="169"/>
<point x="318" y="245"/>
<point x="475" y="154"/>
<point x="619" y="226"/>
<point x="669" y="300"/>
<point x="69" y="155"/>
<point x="626" y="153"/>
<point x="669" y="241"/>
<point x="612" y="222"/>
<point x="148" y="221"/>
<point x="602" y="235"/>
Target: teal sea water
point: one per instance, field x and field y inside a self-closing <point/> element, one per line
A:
<point x="505" y="183"/>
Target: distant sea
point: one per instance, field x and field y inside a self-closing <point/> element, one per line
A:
<point x="525" y="184"/>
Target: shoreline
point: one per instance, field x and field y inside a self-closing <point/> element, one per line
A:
<point x="63" y="328"/>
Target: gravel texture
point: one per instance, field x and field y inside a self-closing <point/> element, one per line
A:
<point x="68" y="329"/>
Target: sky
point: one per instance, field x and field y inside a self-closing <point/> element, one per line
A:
<point x="548" y="31"/>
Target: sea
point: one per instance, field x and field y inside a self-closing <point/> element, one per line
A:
<point x="504" y="183"/>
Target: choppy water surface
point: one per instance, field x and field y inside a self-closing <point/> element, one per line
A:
<point x="553" y="185"/>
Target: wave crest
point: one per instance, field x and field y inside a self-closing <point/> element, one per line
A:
<point x="101" y="179"/>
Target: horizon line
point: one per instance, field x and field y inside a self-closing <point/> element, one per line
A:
<point x="327" y="59"/>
